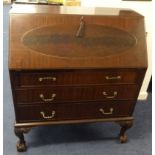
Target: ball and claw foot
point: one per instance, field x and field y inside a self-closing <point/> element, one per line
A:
<point x="123" y="139"/>
<point x="21" y="144"/>
<point x="21" y="147"/>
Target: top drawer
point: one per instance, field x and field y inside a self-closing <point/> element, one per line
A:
<point x="75" y="77"/>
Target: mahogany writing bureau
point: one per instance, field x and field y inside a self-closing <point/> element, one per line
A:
<point x="75" y="65"/>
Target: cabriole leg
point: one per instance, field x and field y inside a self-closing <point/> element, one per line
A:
<point x="125" y="125"/>
<point x="21" y="144"/>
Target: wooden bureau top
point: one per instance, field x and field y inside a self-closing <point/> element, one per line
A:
<point x="53" y="37"/>
<point x="71" y="10"/>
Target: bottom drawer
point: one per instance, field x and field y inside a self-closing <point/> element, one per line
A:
<point x="77" y="111"/>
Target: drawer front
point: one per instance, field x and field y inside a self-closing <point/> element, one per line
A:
<point x="75" y="94"/>
<point x="75" y="77"/>
<point x="89" y="110"/>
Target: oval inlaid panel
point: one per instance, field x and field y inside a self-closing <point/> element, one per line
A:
<point x="61" y="41"/>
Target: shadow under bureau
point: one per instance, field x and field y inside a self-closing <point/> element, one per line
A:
<point x="75" y="65"/>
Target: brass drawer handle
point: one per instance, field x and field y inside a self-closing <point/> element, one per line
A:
<point x="113" y="77"/>
<point x="47" y="78"/>
<point x="47" y="100"/>
<point x="106" y="113"/>
<point x="48" y="117"/>
<point x="113" y="96"/>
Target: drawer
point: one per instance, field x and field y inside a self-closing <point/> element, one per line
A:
<point x="75" y="77"/>
<point x="78" y="111"/>
<point x="75" y="94"/>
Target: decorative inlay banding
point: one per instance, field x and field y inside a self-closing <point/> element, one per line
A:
<point x="61" y="41"/>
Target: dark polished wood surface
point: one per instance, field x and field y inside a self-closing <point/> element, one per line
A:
<point x="38" y="78"/>
<point x="65" y="41"/>
<point x="73" y="10"/>
<point x="129" y="25"/>
<point x="77" y="111"/>
<point x="71" y="67"/>
<point x="41" y="123"/>
<point x="74" y="94"/>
